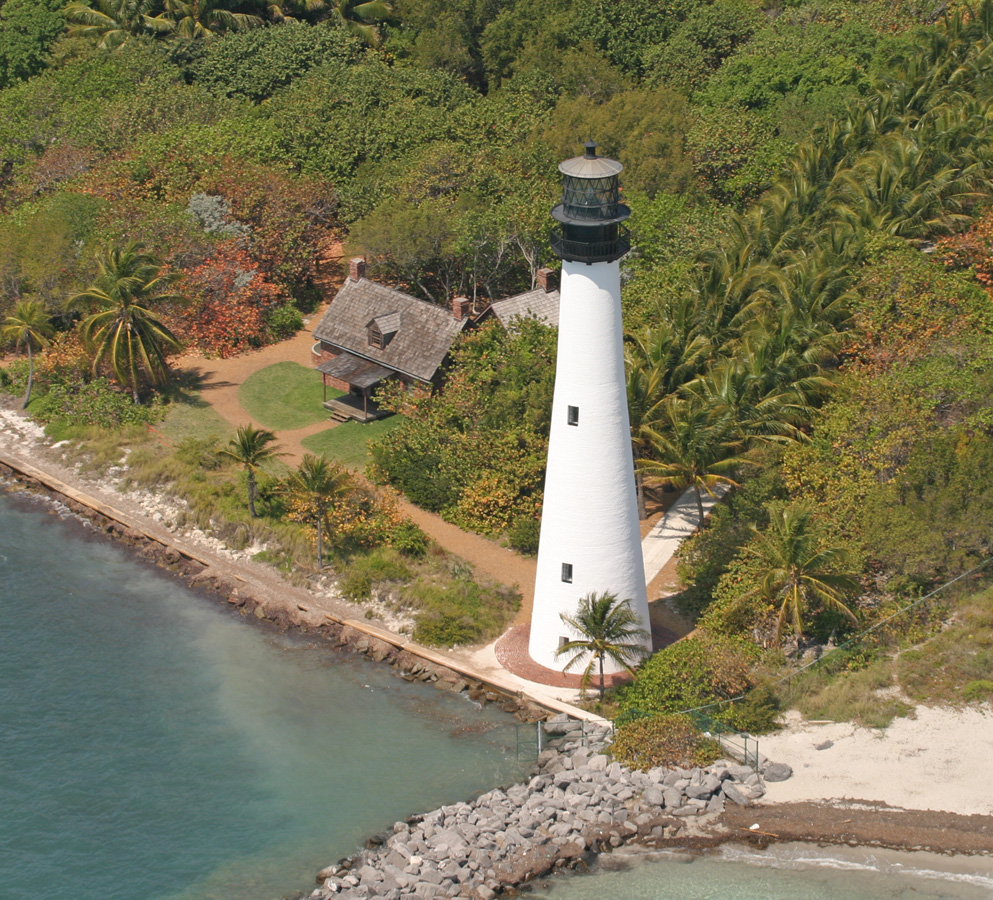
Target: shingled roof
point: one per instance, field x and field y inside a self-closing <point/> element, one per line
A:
<point x="424" y="332"/>
<point x="537" y="304"/>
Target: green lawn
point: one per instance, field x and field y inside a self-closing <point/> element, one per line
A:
<point x="285" y="396"/>
<point x="348" y="443"/>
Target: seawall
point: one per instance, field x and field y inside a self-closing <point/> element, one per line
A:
<point x="278" y="603"/>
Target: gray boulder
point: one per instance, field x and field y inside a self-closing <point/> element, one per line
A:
<point x="777" y="772"/>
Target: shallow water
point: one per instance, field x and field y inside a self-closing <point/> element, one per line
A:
<point x="155" y="745"/>
<point x="783" y="872"/>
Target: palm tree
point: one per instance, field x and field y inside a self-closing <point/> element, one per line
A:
<point x="206" y="19"/>
<point x="251" y="447"/>
<point x="29" y="325"/>
<point x="124" y="331"/>
<point x="115" y="21"/>
<point x="696" y="445"/>
<point x="319" y="483"/>
<point x="658" y="360"/>
<point x="361" y="17"/>
<point x="607" y="627"/>
<point x="797" y="569"/>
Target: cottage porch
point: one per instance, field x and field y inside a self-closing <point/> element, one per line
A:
<point x="359" y="377"/>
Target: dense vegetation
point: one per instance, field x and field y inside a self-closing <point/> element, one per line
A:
<point x="808" y="302"/>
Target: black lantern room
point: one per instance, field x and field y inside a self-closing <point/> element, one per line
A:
<point x="590" y="212"/>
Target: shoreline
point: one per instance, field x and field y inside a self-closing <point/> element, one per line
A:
<point x="253" y="591"/>
<point x="291" y="610"/>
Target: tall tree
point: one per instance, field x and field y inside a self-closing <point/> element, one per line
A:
<point x="206" y="19"/>
<point x="696" y="445"/>
<point x="251" y="447"/>
<point x="116" y="21"/>
<point x="29" y="326"/>
<point x="318" y="483"/>
<point x="658" y="361"/>
<point x="606" y="627"/>
<point x="798" y="568"/>
<point x="362" y="17"/>
<point x="124" y="332"/>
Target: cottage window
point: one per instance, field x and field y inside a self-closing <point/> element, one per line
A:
<point x="573" y="416"/>
<point x="567" y="573"/>
<point x="375" y="337"/>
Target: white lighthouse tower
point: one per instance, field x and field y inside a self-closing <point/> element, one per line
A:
<point x="590" y="538"/>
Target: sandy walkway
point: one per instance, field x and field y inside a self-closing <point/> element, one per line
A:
<point x="222" y="378"/>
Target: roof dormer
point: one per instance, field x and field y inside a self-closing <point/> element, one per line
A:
<point x="382" y="329"/>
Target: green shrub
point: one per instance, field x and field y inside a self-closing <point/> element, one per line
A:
<point x="412" y="464"/>
<point x="255" y="64"/>
<point x="364" y="572"/>
<point x="698" y="670"/>
<point x="706" y="556"/>
<point x="461" y="612"/>
<point x="523" y="534"/>
<point x="666" y="740"/>
<point x="756" y="713"/>
<point x="408" y="539"/>
<point x="283" y="322"/>
<point x="977" y="691"/>
<point x="97" y="402"/>
<point x="201" y="454"/>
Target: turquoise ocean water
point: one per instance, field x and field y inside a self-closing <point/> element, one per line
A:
<point x="156" y="746"/>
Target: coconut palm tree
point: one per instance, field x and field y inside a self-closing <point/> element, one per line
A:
<point x="362" y="17"/>
<point x="123" y="331"/>
<point x="250" y="448"/>
<point x="658" y="361"/>
<point x="697" y="445"/>
<point x="318" y="484"/>
<point x="115" y="21"/>
<point x="30" y="326"/>
<point x="798" y="570"/>
<point x="206" y="19"/>
<point x="606" y="627"/>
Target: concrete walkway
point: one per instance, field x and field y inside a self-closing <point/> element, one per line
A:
<point x="682" y="520"/>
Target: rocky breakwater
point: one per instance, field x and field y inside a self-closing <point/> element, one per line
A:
<point x="577" y="803"/>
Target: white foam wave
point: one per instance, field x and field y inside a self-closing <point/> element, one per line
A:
<point x="785" y="856"/>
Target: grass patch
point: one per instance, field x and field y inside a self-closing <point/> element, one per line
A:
<point x="459" y="610"/>
<point x="865" y="696"/>
<point x="194" y="418"/>
<point x="285" y="396"/>
<point x="383" y="565"/>
<point x="348" y="443"/>
<point x="955" y="665"/>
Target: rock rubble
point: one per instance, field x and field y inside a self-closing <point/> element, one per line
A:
<point x="577" y="803"/>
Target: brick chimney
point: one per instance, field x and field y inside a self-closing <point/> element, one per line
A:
<point x="548" y="280"/>
<point x="356" y="268"/>
<point x="461" y="307"/>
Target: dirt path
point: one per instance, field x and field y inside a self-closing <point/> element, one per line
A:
<point x="221" y="380"/>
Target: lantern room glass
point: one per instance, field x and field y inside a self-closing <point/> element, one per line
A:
<point x="590" y="198"/>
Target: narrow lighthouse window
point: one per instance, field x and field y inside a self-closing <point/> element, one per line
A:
<point x="567" y="572"/>
<point x="573" y="416"/>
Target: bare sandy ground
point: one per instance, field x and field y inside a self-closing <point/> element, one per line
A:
<point x="937" y="760"/>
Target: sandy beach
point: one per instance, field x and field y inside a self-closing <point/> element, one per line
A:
<point x="933" y="761"/>
<point x="850" y="784"/>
